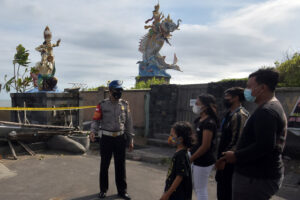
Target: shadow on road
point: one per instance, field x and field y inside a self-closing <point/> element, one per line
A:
<point x="95" y="197"/>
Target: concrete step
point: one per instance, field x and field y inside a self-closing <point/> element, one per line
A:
<point x="162" y="136"/>
<point x="152" y="154"/>
<point x="158" y="142"/>
<point x="149" y="154"/>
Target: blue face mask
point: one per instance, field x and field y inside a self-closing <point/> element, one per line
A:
<point x="248" y="95"/>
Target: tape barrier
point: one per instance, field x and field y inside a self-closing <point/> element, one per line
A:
<point x="45" y="109"/>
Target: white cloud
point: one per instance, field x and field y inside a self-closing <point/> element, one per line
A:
<point x="240" y="42"/>
<point x="100" y="38"/>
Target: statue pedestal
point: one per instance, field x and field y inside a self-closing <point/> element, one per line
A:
<point x="146" y="78"/>
<point x="47" y="100"/>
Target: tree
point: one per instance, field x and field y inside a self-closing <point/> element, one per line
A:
<point x="289" y="71"/>
<point x="21" y="80"/>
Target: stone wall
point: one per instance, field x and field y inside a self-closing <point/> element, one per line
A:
<point x="288" y="97"/>
<point x="170" y="103"/>
<point x="89" y="98"/>
<point x="136" y="99"/>
<point x="185" y="94"/>
<point x="162" y="108"/>
<point x="4" y="115"/>
<point x="47" y="100"/>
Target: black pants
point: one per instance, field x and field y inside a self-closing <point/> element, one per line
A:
<point x="248" y="188"/>
<point x="117" y="147"/>
<point x="224" y="182"/>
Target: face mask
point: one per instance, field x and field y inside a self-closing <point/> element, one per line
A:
<point x="117" y="94"/>
<point x="248" y="95"/>
<point x="173" y="140"/>
<point x="196" y="109"/>
<point x="227" y="103"/>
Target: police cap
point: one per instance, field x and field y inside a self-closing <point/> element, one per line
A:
<point x="115" y="84"/>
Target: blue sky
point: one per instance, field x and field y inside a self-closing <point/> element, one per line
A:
<point x="217" y="39"/>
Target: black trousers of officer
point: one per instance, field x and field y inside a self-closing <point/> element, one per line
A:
<point x="224" y="182"/>
<point x="113" y="146"/>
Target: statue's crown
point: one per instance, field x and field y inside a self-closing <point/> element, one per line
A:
<point x="47" y="32"/>
<point x="168" y="19"/>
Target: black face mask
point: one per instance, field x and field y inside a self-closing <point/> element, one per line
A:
<point x="117" y="94"/>
<point x="227" y="103"/>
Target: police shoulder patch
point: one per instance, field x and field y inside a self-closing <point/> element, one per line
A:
<point x="126" y="104"/>
<point x="122" y="107"/>
<point x="124" y="101"/>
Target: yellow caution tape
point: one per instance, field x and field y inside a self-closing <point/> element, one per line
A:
<point x="45" y="109"/>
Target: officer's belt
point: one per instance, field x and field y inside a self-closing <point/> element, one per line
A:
<point x="112" y="134"/>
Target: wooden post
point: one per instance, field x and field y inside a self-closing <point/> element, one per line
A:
<point x="26" y="147"/>
<point x="12" y="150"/>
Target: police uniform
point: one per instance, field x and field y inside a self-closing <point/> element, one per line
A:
<point x="112" y="121"/>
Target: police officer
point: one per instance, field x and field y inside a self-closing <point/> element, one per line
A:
<point x="112" y="120"/>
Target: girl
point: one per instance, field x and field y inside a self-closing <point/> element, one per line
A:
<point x="179" y="180"/>
<point x="202" y="155"/>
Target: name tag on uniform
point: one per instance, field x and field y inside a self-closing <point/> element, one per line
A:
<point x="122" y="107"/>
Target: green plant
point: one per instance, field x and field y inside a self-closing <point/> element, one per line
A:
<point x="21" y="80"/>
<point x="95" y="88"/>
<point x="233" y="79"/>
<point x="289" y="71"/>
<point x="148" y="83"/>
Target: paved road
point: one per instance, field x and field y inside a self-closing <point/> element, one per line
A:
<point x="61" y="177"/>
<point x="56" y="177"/>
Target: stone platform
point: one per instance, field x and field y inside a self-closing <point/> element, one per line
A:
<point x="47" y="100"/>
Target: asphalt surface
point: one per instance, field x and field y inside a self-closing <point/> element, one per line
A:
<point x="58" y="176"/>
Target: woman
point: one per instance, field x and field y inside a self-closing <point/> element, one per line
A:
<point x="202" y="153"/>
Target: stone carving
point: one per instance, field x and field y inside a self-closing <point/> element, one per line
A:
<point x="43" y="75"/>
<point x="153" y="64"/>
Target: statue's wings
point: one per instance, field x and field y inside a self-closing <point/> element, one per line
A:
<point x="175" y="59"/>
<point x="143" y="43"/>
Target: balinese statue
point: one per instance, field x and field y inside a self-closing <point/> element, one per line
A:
<point x="153" y="64"/>
<point x="157" y="17"/>
<point x="45" y="69"/>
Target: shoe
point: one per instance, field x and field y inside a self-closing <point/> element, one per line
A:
<point x="102" y="195"/>
<point x="124" y="195"/>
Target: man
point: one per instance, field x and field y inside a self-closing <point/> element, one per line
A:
<point x="112" y="120"/>
<point x="232" y="127"/>
<point x="258" y="157"/>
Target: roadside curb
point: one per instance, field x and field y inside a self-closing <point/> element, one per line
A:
<point x="151" y="154"/>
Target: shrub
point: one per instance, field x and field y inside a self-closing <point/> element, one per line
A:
<point x="289" y="71"/>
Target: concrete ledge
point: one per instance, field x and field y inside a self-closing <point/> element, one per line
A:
<point x="158" y="142"/>
<point x="150" y="154"/>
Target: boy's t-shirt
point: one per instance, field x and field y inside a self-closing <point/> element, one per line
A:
<point x="180" y="166"/>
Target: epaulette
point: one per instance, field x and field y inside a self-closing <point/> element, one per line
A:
<point x="124" y="101"/>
